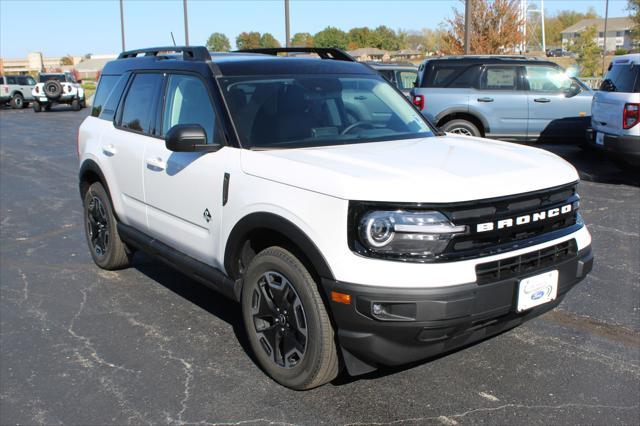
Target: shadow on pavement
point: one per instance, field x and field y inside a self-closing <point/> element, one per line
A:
<point x="595" y="166"/>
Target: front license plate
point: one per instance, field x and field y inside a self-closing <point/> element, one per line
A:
<point x="536" y="290"/>
<point x="599" y="138"/>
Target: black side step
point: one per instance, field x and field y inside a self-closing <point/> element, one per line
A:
<point x="201" y="272"/>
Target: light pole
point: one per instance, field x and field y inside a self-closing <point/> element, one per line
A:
<point x="186" y="24"/>
<point x="122" y="23"/>
<point x="604" y="51"/>
<point x="467" y="26"/>
<point x="286" y="23"/>
<point x="544" y="44"/>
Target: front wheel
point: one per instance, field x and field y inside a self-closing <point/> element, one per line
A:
<point x="286" y="321"/>
<point x="461" y="127"/>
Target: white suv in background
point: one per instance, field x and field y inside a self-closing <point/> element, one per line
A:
<point x="352" y="233"/>
<point x="61" y="88"/>
<point x="615" y="111"/>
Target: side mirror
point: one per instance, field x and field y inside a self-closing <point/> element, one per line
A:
<point x="573" y="90"/>
<point x="188" y="138"/>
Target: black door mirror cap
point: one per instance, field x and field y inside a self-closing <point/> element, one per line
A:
<point x="188" y="138"/>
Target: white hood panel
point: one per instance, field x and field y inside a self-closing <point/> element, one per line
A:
<point x="435" y="170"/>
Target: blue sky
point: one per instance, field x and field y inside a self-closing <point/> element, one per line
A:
<point x="85" y="26"/>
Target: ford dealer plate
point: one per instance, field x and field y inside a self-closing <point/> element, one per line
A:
<point x="599" y="138"/>
<point x="536" y="290"/>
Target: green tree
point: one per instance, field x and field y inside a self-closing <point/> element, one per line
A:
<point x="633" y="6"/>
<point x="302" y="40"/>
<point x="360" y="37"/>
<point x="555" y="24"/>
<point x="218" y="42"/>
<point x="588" y="52"/>
<point x="268" y="40"/>
<point x="385" y="38"/>
<point x="331" y="37"/>
<point x="248" y="40"/>
<point x="66" y="60"/>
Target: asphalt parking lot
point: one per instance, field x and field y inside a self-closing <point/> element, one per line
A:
<point x="145" y="345"/>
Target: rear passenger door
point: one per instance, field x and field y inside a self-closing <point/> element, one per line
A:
<point x="502" y="102"/>
<point x="183" y="190"/>
<point x="122" y="145"/>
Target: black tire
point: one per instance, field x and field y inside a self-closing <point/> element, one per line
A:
<point x="17" y="101"/>
<point x="52" y="89"/>
<point x="83" y="103"/>
<point x="47" y="107"/>
<point x="318" y="363"/>
<point x="75" y="105"/>
<point x="462" y="127"/>
<point x="107" y="249"/>
<point x="36" y="106"/>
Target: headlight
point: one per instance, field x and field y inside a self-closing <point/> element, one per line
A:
<point x="404" y="233"/>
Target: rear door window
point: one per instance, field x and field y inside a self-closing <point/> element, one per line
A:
<point x="499" y="78"/>
<point x="622" y="78"/>
<point x="138" y="109"/>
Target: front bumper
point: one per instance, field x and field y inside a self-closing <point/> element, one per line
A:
<point x="446" y="318"/>
<point x="624" y="147"/>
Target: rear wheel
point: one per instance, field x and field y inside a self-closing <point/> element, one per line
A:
<point x="286" y="321"/>
<point x="17" y="101"/>
<point x="75" y="105"/>
<point x="36" y="106"/>
<point x="461" y="127"/>
<point x="107" y="249"/>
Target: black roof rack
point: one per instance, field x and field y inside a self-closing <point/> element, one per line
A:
<point x="189" y="53"/>
<point x="322" y="52"/>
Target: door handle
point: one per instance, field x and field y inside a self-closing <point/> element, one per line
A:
<point x="109" y="150"/>
<point x="360" y="98"/>
<point x="485" y="99"/>
<point x="156" y="164"/>
<point x="542" y="100"/>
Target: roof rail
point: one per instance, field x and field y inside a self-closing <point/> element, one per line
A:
<point x="189" y="53"/>
<point x="323" y="52"/>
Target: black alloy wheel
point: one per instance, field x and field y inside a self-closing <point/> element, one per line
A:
<point x="98" y="227"/>
<point x="279" y="320"/>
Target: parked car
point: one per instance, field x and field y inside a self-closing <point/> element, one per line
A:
<point x="61" y="88"/>
<point x="558" y="53"/>
<point x="352" y="233"/>
<point x="16" y="90"/>
<point x="403" y="76"/>
<point x="508" y="98"/>
<point x="615" y="111"/>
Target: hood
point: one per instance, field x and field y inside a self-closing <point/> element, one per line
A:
<point x="439" y="169"/>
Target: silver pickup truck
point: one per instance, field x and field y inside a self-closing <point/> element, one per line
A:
<point x="16" y="90"/>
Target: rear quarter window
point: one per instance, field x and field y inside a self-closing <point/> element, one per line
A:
<point x="623" y="78"/>
<point x="105" y="86"/>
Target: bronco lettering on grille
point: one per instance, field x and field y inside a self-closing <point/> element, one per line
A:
<point x="524" y="219"/>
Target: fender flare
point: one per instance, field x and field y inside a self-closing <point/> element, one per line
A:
<point x="275" y="223"/>
<point x="91" y="166"/>
<point x="464" y="110"/>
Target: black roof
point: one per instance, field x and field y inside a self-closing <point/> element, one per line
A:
<point x="491" y="59"/>
<point x="236" y="63"/>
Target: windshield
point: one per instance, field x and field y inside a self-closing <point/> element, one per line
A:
<point x="47" y="77"/>
<point x="319" y="110"/>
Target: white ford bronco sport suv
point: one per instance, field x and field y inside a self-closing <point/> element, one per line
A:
<point x="59" y="88"/>
<point x="311" y="191"/>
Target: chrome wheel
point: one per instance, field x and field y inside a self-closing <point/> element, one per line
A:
<point x="279" y="319"/>
<point x="98" y="226"/>
<point x="461" y="131"/>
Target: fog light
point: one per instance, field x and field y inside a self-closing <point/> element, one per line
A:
<point x="377" y="309"/>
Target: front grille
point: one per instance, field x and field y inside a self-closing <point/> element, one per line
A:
<point x="525" y="263"/>
<point x="478" y="244"/>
